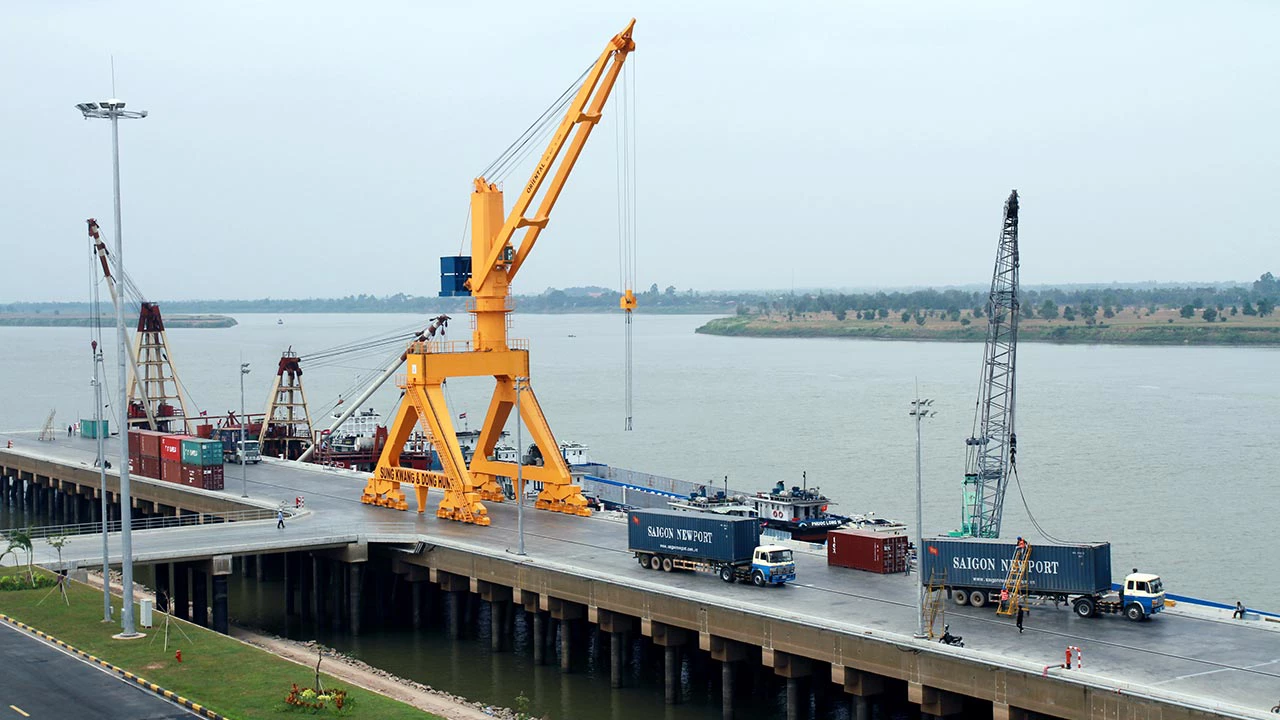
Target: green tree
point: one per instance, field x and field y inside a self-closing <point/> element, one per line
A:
<point x="1028" y="312"/>
<point x="1266" y="306"/>
<point x="882" y="313"/>
<point x="841" y="314"/>
<point x="1248" y="308"/>
<point x="906" y="316"/>
<point x="1233" y="311"/>
<point x="919" y="319"/>
<point x="1069" y="314"/>
<point x="977" y="311"/>
<point x="1049" y="310"/>
<point x="1108" y="313"/>
<point x="1209" y="315"/>
<point x="1188" y="311"/>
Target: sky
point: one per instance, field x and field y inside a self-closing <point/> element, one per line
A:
<point x="320" y="149"/>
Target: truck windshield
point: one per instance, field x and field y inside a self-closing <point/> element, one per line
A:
<point x="1156" y="587"/>
<point x="780" y="556"/>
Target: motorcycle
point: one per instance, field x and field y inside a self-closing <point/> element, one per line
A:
<point x="949" y="639"/>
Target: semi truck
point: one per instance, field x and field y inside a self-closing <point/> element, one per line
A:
<point x="230" y="438"/>
<point x="974" y="572"/>
<point x="722" y="545"/>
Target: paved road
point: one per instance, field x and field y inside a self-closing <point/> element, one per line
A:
<point x="1219" y="662"/>
<point x="42" y="682"/>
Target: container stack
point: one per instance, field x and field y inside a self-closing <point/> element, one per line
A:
<point x="171" y="458"/>
<point x="878" y="552"/>
<point x="202" y="463"/>
<point x="144" y="453"/>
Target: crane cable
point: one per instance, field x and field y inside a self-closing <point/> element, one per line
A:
<point x="625" y="141"/>
<point x="526" y="142"/>
<point x="1031" y="516"/>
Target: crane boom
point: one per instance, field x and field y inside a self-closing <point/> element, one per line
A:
<point x="992" y="447"/>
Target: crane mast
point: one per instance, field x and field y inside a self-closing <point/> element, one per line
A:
<point x="992" y="447"/>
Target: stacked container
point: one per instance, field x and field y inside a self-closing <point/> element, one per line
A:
<point x="878" y="552"/>
<point x="94" y="428"/>
<point x="202" y="463"/>
<point x="144" y="452"/>
<point x="171" y="458"/>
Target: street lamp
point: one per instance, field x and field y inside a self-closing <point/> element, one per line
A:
<point x="920" y="411"/>
<point x="113" y="110"/>
<point x="102" y="477"/>
<point x="244" y="466"/>
<point x="520" y="382"/>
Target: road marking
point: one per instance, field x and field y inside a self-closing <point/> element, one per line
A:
<point x="19" y="710"/>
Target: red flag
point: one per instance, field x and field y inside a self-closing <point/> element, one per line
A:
<point x="461" y="415"/>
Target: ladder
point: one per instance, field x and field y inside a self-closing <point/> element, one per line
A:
<point x="935" y="606"/>
<point x="1015" y="586"/>
<point x="46" y="434"/>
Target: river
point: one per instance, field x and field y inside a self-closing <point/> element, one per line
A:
<point x="1166" y="452"/>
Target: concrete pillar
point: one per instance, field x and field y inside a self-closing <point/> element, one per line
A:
<point x="305" y="577"/>
<point x="859" y="709"/>
<point x="496" y="624"/>
<point x="726" y="690"/>
<point x="793" y="698"/>
<point x="318" y="588"/>
<point x="539" y="637"/>
<point x="181" y="597"/>
<point x="455" y="614"/>
<point x="671" y="674"/>
<point x="200" y="596"/>
<point x="221" y="569"/>
<point x="355" y="573"/>
<point x="260" y="567"/>
<point x="163" y="586"/>
<point x="290" y="583"/>
<point x="616" y="640"/>
<point x="337" y="593"/>
<point x="415" y="591"/>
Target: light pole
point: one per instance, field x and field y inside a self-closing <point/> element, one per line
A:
<point x="520" y="381"/>
<point x="244" y="466"/>
<point x="113" y="110"/>
<point x="919" y="411"/>
<point x="102" y="478"/>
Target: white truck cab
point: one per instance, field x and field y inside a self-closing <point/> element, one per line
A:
<point x="1143" y="591"/>
<point x="773" y="565"/>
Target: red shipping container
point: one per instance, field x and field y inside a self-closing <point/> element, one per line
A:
<point x="208" y="477"/>
<point x="135" y="463"/>
<point x="135" y="443"/>
<point x="171" y="471"/>
<point x="171" y="447"/>
<point x="150" y="467"/>
<point x="149" y="443"/>
<point x="213" y="477"/>
<point x="879" y="552"/>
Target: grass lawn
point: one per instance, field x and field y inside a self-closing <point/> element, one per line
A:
<point x="229" y="677"/>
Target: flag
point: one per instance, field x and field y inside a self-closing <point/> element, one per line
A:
<point x="462" y="416"/>
<point x="204" y="413"/>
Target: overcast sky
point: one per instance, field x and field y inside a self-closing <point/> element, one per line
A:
<point x="317" y="149"/>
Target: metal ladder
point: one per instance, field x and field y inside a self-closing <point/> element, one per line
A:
<point x="1015" y="586"/>
<point x="935" y="606"/>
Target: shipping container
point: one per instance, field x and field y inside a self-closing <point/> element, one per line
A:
<point x="171" y="471"/>
<point x="135" y="463"/>
<point x="209" y="477"/>
<point x="694" y="535"/>
<point x="1076" y="569"/>
<point x="150" y="467"/>
<point x="204" y="431"/>
<point x="879" y="552"/>
<point x="95" y="428"/>
<point x="201" y="452"/>
<point x="171" y="447"/>
<point x="148" y="442"/>
<point x="135" y="443"/>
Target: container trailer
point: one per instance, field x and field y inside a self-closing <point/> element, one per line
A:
<point x="722" y="545"/>
<point x="974" y="572"/>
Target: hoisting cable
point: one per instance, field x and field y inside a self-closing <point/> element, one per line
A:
<point x="624" y="138"/>
<point x="1030" y="515"/>
<point x="500" y="165"/>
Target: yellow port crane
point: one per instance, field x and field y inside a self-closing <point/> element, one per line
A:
<point x="486" y="276"/>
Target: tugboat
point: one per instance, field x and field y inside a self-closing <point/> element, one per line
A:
<point x="800" y="512"/>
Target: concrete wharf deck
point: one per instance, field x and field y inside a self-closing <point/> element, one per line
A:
<point x="855" y="627"/>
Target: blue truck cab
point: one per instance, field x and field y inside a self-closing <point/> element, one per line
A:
<point x="772" y="565"/>
<point x="1143" y="595"/>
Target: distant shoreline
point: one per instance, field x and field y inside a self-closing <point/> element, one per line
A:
<point x="171" y="321"/>
<point x="1156" y="332"/>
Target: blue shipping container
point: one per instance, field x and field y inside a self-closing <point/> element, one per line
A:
<point x="455" y="265"/>
<point x="1081" y="569"/>
<point x="693" y="535"/>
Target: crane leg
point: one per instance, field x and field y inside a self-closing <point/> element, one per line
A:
<point x="559" y="494"/>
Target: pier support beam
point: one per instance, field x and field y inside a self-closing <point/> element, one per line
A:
<point x="567" y="614"/>
<point x="793" y="668"/>
<point x="200" y="595"/>
<point x="290" y="583"/>
<point x="355" y="581"/>
<point x="860" y="685"/>
<point x="181" y="596"/>
<point x="727" y="653"/>
<point x="163" y="587"/>
<point x="617" y="626"/>
<point x="933" y="701"/>
<point x="456" y="587"/>
<point x="499" y="599"/>
<point x="1004" y="711"/>
<point x="221" y="570"/>
<point x="319" y="586"/>
<point x="670" y="638"/>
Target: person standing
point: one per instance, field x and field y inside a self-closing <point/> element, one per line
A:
<point x="280" y="519"/>
<point x="1021" y="611"/>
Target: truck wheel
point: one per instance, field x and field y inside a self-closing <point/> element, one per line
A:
<point x="1084" y="607"/>
<point x="1134" y="612"/>
<point x="666" y="565"/>
<point x="978" y="598"/>
<point x="655" y="563"/>
<point x="757" y="578"/>
<point x="960" y="597"/>
<point x="726" y="573"/>
<point x="644" y="560"/>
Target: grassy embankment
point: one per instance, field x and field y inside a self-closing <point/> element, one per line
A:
<point x="170" y="321"/>
<point x="1128" y="327"/>
<point x="225" y="675"/>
